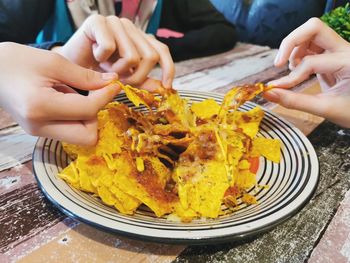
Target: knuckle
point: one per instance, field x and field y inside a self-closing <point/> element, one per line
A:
<point x="32" y="110"/>
<point x="126" y="21"/>
<point x="108" y="47"/>
<point x="315" y="23"/>
<point x="164" y="48"/>
<point x="113" y="19"/>
<point x="53" y="58"/>
<point x="90" y="138"/>
<point x="288" y="102"/>
<point x="89" y="76"/>
<point x="307" y="63"/>
<point x="136" y="79"/>
<point x="152" y="57"/>
<point x="132" y="60"/>
<point x="92" y="113"/>
<point x="95" y="18"/>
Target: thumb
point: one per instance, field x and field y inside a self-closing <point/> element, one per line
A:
<point x="104" y="95"/>
<point x="329" y="106"/>
<point x="314" y="104"/>
<point x="79" y="77"/>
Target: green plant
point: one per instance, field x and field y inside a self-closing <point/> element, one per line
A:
<point x="339" y="20"/>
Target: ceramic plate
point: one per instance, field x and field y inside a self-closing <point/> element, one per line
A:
<point x="291" y="184"/>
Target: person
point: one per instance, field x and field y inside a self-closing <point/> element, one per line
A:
<point x="39" y="87"/>
<point x="189" y="28"/>
<point x="267" y="22"/>
<point x="314" y="48"/>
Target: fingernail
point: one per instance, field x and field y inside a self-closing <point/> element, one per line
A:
<point x="272" y="96"/>
<point x="109" y="76"/>
<point x="277" y="58"/>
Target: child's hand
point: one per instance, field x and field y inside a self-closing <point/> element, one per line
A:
<point x="35" y="88"/>
<point x="116" y="45"/>
<point x="314" y="48"/>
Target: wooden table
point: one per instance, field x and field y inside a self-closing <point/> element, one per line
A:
<point x="32" y="230"/>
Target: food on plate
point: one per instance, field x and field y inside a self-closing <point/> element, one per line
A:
<point x="187" y="160"/>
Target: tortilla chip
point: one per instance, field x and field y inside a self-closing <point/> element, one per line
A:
<point x="269" y="148"/>
<point x="205" y="109"/>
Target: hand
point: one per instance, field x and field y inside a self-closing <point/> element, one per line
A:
<point x="115" y="45"/>
<point x="35" y="90"/>
<point x="314" y="48"/>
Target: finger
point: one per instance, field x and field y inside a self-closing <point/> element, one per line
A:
<point x="66" y="72"/>
<point x="166" y="61"/>
<point x="326" y="81"/>
<point x="73" y="106"/>
<point x="149" y="56"/>
<point x="75" y="132"/>
<point x="299" y="52"/>
<point x="313" y="30"/>
<point x="321" y="105"/>
<point x="152" y="85"/>
<point x="297" y="101"/>
<point x="129" y="56"/>
<point x="297" y="55"/>
<point x="308" y="66"/>
<point x="97" y="30"/>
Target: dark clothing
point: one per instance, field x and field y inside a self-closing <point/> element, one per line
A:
<point x="268" y="22"/>
<point x="22" y="20"/>
<point x="206" y="30"/>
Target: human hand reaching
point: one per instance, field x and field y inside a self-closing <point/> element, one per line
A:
<point x="35" y="88"/>
<point x="115" y="45"/>
<point x="314" y="48"/>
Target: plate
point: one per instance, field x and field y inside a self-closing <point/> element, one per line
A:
<point x="291" y="183"/>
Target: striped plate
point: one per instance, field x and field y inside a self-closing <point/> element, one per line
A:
<point x="291" y="184"/>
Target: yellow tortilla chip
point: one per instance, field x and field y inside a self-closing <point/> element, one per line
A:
<point x="204" y="190"/>
<point x="205" y="109"/>
<point x="178" y="160"/>
<point x="269" y="148"/>
<point x="148" y="187"/>
<point x="139" y="96"/>
<point x="245" y="179"/>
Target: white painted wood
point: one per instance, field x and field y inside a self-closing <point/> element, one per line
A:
<point x="213" y="78"/>
<point x="16" y="147"/>
<point x="241" y="50"/>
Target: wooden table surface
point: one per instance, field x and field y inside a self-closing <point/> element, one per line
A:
<point x="33" y="230"/>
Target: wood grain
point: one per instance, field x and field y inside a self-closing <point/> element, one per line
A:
<point x="5" y="119"/>
<point x="187" y="67"/>
<point x="16" y="147"/>
<point x="221" y="76"/>
<point x="24" y="213"/>
<point x="87" y="244"/>
<point x="16" y="177"/>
